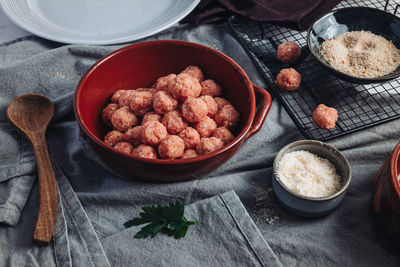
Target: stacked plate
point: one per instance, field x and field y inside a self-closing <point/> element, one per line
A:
<point x="96" y="22"/>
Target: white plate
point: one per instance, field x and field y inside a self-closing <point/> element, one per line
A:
<point x="96" y="21"/>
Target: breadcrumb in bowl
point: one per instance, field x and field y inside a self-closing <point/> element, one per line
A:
<point x="354" y="19"/>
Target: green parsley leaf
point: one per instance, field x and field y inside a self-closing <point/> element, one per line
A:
<point x="169" y="220"/>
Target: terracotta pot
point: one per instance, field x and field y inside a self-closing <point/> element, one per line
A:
<point x="387" y="195"/>
<point x="139" y="65"/>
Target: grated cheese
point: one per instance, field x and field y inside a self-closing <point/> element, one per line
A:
<point x="308" y="174"/>
<point x="361" y="54"/>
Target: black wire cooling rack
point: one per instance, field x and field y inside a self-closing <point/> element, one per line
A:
<point x="358" y="106"/>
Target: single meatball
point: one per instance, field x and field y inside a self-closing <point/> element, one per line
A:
<point x="184" y="86"/>
<point x="212" y="106"/>
<point x="211" y="88"/>
<point x="153" y="132"/>
<point x="171" y="147"/>
<point x="190" y="137"/>
<point x="124" y="147"/>
<point x="123" y="119"/>
<point x="113" y="137"/>
<point x="224" y="134"/>
<point x="189" y="153"/>
<point x="288" y="52"/>
<point x="151" y="116"/>
<point x="164" y="102"/>
<point x="227" y="117"/>
<point x="145" y="151"/>
<point x="174" y="122"/>
<point x="325" y="117"/>
<point x="108" y="112"/>
<point x="194" y="110"/>
<point x="195" y="72"/>
<point x="221" y="102"/>
<point x="141" y="102"/>
<point x="162" y="82"/>
<point x="149" y="90"/>
<point x="115" y="97"/>
<point x="134" y="135"/>
<point x="125" y="98"/>
<point x="208" y="145"/>
<point x="288" y="79"/>
<point x="206" y="127"/>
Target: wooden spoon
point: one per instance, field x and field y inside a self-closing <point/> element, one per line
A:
<point x="31" y="114"/>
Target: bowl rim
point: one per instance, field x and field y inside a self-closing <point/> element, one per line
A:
<point x="314" y="143"/>
<point x="384" y="78"/>
<point x="394" y="171"/>
<point x="241" y="136"/>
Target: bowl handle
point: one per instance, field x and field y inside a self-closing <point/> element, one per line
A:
<point x="262" y="110"/>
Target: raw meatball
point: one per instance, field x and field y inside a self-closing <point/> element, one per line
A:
<point x="188" y="154"/>
<point x="124" y="147"/>
<point x="208" y="145"/>
<point x="125" y="98"/>
<point x="123" y="119"/>
<point x="211" y="88"/>
<point x="288" y="79"/>
<point x="153" y="132"/>
<point x="134" y="135"/>
<point x="174" y="122"/>
<point x="149" y="90"/>
<point x="113" y="137"/>
<point x="151" y="116"/>
<point x="227" y="117"/>
<point x="141" y="102"/>
<point x="195" y="72"/>
<point x="162" y="82"/>
<point x="224" y="134"/>
<point x="164" y="102"/>
<point x="221" y="102"/>
<point x="190" y="137"/>
<point x="288" y="52"/>
<point x="184" y="86"/>
<point x="108" y="112"/>
<point x="145" y="151"/>
<point x="206" y="127"/>
<point x="212" y="106"/>
<point x="325" y="117"/>
<point x="115" y="97"/>
<point x="171" y="147"/>
<point x="194" y="110"/>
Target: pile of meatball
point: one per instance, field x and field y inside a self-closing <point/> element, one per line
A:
<point x="289" y="79"/>
<point x="181" y="116"/>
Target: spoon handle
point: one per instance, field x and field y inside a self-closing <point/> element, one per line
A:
<point x="48" y="191"/>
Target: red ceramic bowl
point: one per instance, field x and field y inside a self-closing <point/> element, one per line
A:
<point x="387" y="195"/>
<point x="139" y="65"/>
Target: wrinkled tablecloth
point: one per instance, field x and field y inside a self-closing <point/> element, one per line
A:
<point x="95" y="201"/>
<point x="298" y="15"/>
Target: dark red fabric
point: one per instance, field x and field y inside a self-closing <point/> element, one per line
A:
<point x="295" y="14"/>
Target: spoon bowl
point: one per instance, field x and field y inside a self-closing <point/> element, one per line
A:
<point x="31" y="114"/>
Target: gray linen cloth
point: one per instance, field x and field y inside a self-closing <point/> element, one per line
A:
<point x="100" y="200"/>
